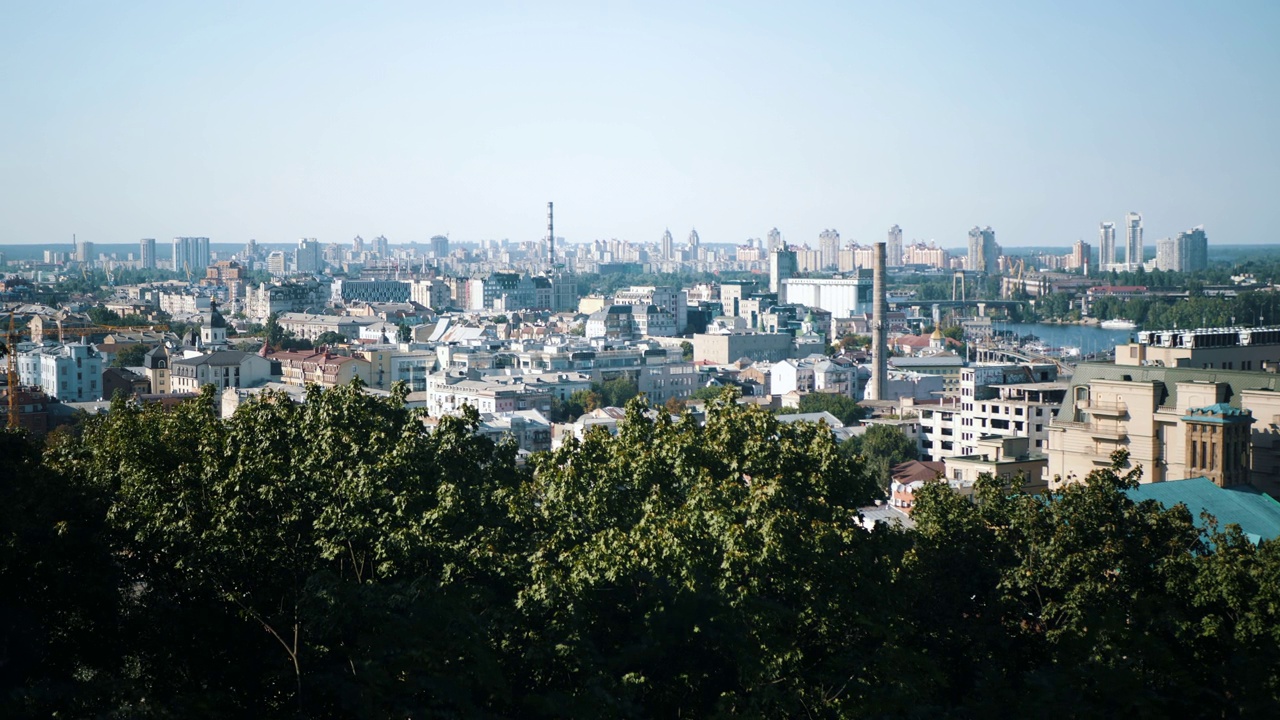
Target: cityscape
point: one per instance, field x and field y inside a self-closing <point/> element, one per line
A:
<point x="966" y="460"/>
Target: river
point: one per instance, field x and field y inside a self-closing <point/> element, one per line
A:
<point x="1089" y="338"/>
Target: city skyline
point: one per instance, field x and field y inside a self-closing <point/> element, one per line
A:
<point x="274" y="123"/>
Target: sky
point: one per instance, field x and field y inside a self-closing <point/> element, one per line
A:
<point x="280" y="120"/>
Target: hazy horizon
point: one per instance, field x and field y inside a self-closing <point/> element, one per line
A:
<point x="286" y="120"/>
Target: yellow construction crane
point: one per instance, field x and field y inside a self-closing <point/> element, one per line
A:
<point x="11" y="376"/>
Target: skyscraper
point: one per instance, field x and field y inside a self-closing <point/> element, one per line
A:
<point x="1133" y="241"/>
<point x="694" y="240"/>
<point x="893" y="248"/>
<point x="84" y="252"/>
<point x="439" y="246"/>
<point x="1188" y="252"/>
<point x="668" y="246"/>
<point x="1080" y="257"/>
<point x="775" y="240"/>
<point x="829" y="248"/>
<point x="984" y="253"/>
<point x="306" y="258"/>
<point x="782" y="266"/>
<point x="1106" y="245"/>
<point x="191" y="254"/>
<point x="148" y="253"/>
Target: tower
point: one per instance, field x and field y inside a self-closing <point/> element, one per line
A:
<point x="879" y="341"/>
<point x="1107" y="245"/>
<point x="668" y="245"/>
<point x="551" y="235"/>
<point x="1133" y="241"/>
<point x="893" y="247"/>
<point x="148" y="253"/>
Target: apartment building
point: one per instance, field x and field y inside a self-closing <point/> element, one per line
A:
<point x="69" y="373"/>
<point x="223" y="369"/>
<point x="1176" y="423"/>
<point x="1206" y="348"/>
<point x="1009" y="401"/>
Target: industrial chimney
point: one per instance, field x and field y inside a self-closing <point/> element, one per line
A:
<point x="879" y="353"/>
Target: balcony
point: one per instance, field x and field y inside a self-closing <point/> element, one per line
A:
<point x="1105" y="408"/>
<point x="1108" y="432"/>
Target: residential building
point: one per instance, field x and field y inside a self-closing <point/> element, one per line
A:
<point x="68" y="373"/>
<point x="930" y="255"/>
<point x="147" y="253"/>
<point x="1133" y="240"/>
<point x="306" y="258"/>
<point x="222" y="369"/>
<point x="813" y="374"/>
<point x="728" y="348"/>
<point x="893" y="248"/>
<point x="304" y="367"/>
<point x="1008" y="400"/>
<point x="1106" y="245"/>
<point x="1174" y="422"/>
<point x="1188" y="252"/>
<point x="984" y="253"/>
<point x="1204" y="348"/>
<point x="370" y="291"/>
<point x="1007" y="458"/>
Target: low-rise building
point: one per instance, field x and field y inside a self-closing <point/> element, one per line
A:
<point x="222" y="369"/>
<point x="1007" y="458"/>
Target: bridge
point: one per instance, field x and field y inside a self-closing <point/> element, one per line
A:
<point x="997" y="353"/>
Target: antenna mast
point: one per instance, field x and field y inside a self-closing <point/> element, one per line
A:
<point x="551" y="235"/>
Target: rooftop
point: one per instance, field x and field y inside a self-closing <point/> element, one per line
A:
<point x="1258" y="515"/>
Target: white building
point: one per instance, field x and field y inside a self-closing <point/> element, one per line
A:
<point x="222" y="369"/>
<point x="842" y="297"/>
<point x="1133" y="240"/>
<point x="70" y="373"/>
<point x="812" y="374"/>
<point x="1007" y="401"/>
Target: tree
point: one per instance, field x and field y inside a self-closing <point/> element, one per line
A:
<point x="694" y="571"/>
<point x="890" y="443"/>
<point x="674" y="405"/>
<point x="708" y="392"/>
<point x="131" y="356"/>
<point x="404" y="333"/>
<point x="329" y="338"/>
<point x="844" y="408"/>
<point x="686" y="351"/>
<point x="616" y="392"/>
<point x="275" y="333"/>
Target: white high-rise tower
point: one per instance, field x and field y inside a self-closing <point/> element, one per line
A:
<point x="1133" y="241"/>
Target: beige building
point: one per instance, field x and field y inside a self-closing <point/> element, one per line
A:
<point x="1007" y="458"/>
<point x="1176" y="423"/>
<point x="1207" y="349"/>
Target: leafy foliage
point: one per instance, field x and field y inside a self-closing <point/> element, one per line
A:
<point x="337" y="559"/>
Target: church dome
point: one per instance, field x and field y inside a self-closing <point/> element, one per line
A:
<point x="937" y="334"/>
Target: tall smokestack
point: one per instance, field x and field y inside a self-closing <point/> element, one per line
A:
<point x="879" y="357"/>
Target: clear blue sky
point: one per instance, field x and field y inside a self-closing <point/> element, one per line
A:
<point x="277" y="120"/>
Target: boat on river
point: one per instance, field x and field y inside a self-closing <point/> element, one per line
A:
<point x="1118" y="325"/>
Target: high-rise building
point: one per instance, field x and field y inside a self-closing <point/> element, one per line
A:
<point x="782" y="265"/>
<point x="694" y="240"/>
<point x="148" y="253"/>
<point x="1080" y="257"/>
<point x="276" y="261"/>
<point x="893" y="248"/>
<point x="829" y="248"/>
<point x="920" y="254"/>
<point x="382" y="247"/>
<point x="439" y="246"/>
<point x="984" y="253"/>
<point x="668" y="246"/>
<point x="84" y="252"/>
<point x="1133" y="240"/>
<point x="306" y="259"/>
<point x="191" y="254"/>
<point x="775" y="240"/>
<point x="1188" y="252"/>
<point x="1106" y="245"/>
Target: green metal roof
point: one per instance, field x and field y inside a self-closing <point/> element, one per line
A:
<point x="1258" y="515"/>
